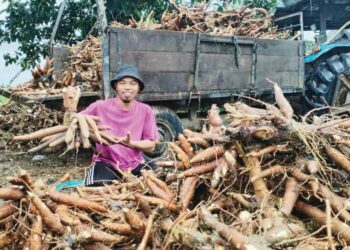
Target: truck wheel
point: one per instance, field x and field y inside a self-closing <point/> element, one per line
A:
<point x="321" y="85"/>
<point x="169" y="126"/>
<point x="342" y="96"/>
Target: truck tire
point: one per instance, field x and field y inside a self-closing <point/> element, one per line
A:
<point x="323" y="86"/>
<point x="169" y="127"/>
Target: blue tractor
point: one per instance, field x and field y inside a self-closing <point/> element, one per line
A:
<point x="327" y="67"/>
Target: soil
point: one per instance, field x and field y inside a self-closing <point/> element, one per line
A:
<point x="49" y="169"/>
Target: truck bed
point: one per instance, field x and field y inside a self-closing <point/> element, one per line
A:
<point x="179" y="66"/>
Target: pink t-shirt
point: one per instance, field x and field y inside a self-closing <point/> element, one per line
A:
<point x="139" y="120"/>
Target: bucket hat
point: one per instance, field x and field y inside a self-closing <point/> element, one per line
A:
<point x="128" y="70"/>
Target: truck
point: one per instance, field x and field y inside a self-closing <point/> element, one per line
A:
<point x="185" y="73"/>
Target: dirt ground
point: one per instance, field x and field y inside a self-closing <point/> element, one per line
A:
<point x="49" y="169"/>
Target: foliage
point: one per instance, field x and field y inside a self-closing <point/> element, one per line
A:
<point x="229" y="4"/>
<point x="30" y="23"/>
<point x="267" y="4"/>
<point x="3" y="100"/>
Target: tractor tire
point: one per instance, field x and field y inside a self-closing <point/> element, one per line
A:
<point x="169" y="127"/>
<point x="323" y="86"/>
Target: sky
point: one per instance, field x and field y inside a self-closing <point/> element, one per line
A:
<point x="8" y="72"/>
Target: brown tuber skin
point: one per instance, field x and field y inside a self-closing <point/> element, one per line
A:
<point x="87" y="233"/>
<point x="339" y="228"/>
<point x="187" y="191"/>
<point x="143" y="205"/>
<point x="236" y="239"/>
<point x="135" y="222"/>
<point x="11" y="194"/>
<point x="180" y="154"/>
<point x="96" y="246"/>
<point x="80" y="203"/>
<point x="48" y="217"/>
<point x="156" y="190"/>
<point x="35" y="236"/>
<point x="259" y="185"/>
<point x="290" y="196"/>
<point x="41" y="133"/>
<point x="186" y="146"/>
<point x="146" y="236"/>
<point x="204" y="168"/>
<point x="208" y="154"/>
<point x="338" y="158"/>
<point x="7" y="209"/>
<point x="67" y="218"/>
<point x="119" y="228"/>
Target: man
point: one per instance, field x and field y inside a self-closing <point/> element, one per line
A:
<point x="131" y="121"/>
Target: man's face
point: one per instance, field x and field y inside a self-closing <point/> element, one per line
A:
<point x="127" y="89"/>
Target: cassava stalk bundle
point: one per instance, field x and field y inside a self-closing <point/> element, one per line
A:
<point x="244" y="21"/>
<point x="81" y="128"/>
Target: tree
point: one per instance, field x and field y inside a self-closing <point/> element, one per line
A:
<point x="267" y="4"/>
<point x="30" y="23"/>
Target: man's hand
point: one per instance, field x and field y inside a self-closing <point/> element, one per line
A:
<point x="144" y="145"/>
<point x="126" y="140"/>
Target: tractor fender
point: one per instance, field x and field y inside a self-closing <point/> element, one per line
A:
<point x="325" y="49"/>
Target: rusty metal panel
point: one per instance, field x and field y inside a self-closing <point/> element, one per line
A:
<point x="279" y="60"/>
<point x="176" y="65"/>
<point x="218" y="72"/>
<point x="165" y="59"/>
<point x="160" y="60"/>
<point x="150" y="40"/>
<point x="277" y="47"/>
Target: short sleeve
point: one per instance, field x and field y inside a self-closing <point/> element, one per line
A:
<point x="90" y="110"/>
<point x="150" y="130"/>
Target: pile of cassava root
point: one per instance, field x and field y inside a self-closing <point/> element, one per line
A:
<point x="77" y="133"/>
<point x="259" y="179"/>
<point x="16" y="118"/>
<point x="244" y="21"/>
<point x="83" y="68"/>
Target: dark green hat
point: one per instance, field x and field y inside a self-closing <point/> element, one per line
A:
<point x="128" y="70"/>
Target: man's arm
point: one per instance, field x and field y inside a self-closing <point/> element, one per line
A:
<point x="146" y="146"/>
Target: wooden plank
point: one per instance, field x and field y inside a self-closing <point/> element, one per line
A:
<point x="210" y="62"/>
<point x="272" y="63"/>
<point x="165" y="82"/>
<point x="135" y="39"/>
<point x="224" y="48"/>
<point x="113" y="51"/>
<point x="284" y="79"/>
<point x="277" y="47"/>
<point x="165" y="96"/>
<point x="158" y="61"/>
<point x="105" y="67"/>
<point x="224" y="79"/>
<point x="148" y="97"/>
